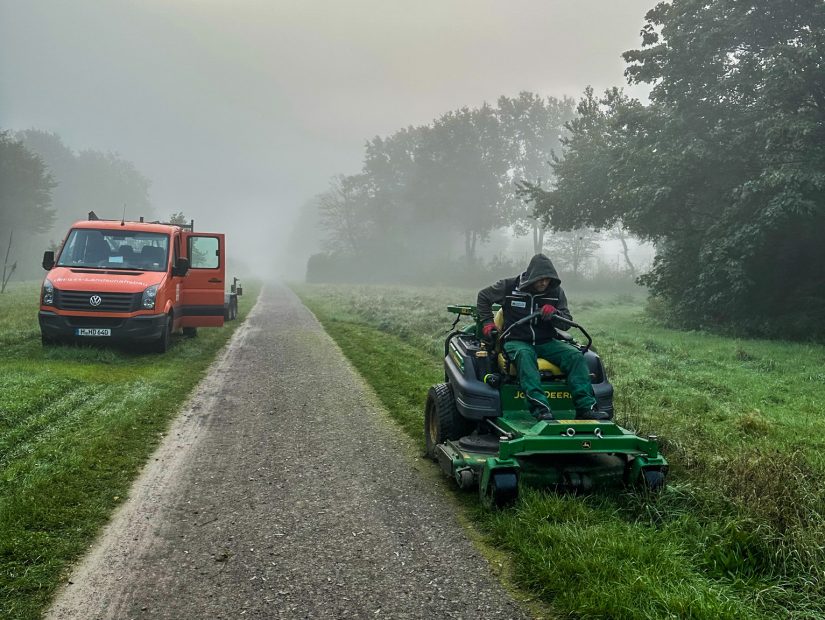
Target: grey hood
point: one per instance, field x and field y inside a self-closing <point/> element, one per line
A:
<point x="540" y="267"/>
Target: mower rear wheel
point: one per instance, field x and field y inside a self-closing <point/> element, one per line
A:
<point x="501" y="492"/>
<point x="442" y="422"/>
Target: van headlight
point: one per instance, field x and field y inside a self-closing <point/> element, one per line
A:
<point x="149" y="295"/>
<point x="47" y="295"/>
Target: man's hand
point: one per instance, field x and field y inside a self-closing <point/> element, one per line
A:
<point x="547" y="312"/>
<point x="489" y="330"/>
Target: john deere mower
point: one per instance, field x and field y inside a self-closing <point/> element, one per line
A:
<point x="479" y="429"/>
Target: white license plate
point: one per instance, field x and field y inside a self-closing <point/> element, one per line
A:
<point x="92" y="331"/>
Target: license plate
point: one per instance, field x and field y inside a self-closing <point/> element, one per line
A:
<point x="93" y="331"/>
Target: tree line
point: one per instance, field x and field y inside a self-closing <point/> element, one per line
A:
<point x="429" y="195"/>
<point x="45" y="186"/>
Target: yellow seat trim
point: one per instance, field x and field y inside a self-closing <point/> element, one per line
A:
<point x="544" y="366"/>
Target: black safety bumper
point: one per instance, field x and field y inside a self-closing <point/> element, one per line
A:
<point x="143" y="328"/>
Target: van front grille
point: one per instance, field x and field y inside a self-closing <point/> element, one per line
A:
<point x="109" y="302"/>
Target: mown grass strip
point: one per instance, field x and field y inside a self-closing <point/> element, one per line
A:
<point x="738" y="532"/>
<point x="76" y="426"/>
<point x="394" y="368"/>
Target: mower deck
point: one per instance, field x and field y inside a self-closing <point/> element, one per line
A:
<point x="568" y="455"/>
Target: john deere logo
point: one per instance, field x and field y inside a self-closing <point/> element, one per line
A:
<point x="95" y="300"/>
<point x="585" y="444"/>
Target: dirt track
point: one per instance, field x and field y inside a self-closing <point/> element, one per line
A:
<point x="284" y="491"/>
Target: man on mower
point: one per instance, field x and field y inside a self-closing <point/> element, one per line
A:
<point x="538" y="289"/>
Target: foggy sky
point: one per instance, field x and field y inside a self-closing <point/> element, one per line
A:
<point x="242" y="110"/>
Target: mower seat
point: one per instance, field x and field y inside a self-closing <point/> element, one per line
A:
<point x="544" y="365"/>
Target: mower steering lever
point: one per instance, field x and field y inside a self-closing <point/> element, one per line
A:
<point x="577" y="326"/>
<point x="529" y="317"/>
<point x="555" y="316"/>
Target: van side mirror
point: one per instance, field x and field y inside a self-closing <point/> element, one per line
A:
<point x="181" y="267"/>
<point x="239" y="291"/>
<point x="48" y="260"/>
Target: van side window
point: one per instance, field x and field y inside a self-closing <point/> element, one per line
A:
<point x="204" y="253"/>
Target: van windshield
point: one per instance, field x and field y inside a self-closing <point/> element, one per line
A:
<point x="115" y="249"/>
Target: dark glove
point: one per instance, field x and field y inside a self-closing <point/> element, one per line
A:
<point x="547" y="312"/>
<point x="489" y="331"/>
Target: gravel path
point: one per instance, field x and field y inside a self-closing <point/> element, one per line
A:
<point x="284" y="491"/>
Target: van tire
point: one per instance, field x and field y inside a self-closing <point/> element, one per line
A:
<point x="161" y="345"/>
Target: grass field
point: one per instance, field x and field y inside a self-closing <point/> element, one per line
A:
<point x="738" y="533"/>
<point x="76" y="425"/>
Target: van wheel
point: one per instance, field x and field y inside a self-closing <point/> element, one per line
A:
<point x="162" y="344"/>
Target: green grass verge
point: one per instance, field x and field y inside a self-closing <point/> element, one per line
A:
<point x="76" y="425"/>
<point x="739" y="531"/>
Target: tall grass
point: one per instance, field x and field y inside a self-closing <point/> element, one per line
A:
<point x="738" y="533"/>
<point x="76" y="424"/>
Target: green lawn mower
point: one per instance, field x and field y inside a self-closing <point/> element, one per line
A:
<point x="478" y="427"/>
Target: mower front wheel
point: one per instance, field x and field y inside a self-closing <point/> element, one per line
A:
<point x="442" y="421"/>
<point x="653" y="480"/>
<point x="501" y="491"/>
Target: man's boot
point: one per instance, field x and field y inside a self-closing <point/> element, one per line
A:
<point x="543" y="414"/>
<point x="594" y="413"/>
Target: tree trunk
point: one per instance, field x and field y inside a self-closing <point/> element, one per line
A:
<point x="5" y="280"/>
<point x="538" y="237"/>
<point x="470" y="239"/>
<point x="631" y="267"/>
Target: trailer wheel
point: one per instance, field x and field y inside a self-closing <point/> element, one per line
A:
<point x="230" y="312"/>
<point x="190" y="332"/>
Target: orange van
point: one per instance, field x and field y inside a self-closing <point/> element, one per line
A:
<point x="132" y="282"/>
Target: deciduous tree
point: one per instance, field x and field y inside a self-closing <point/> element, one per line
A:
<point x="89" y="181"/>
<point x="532" y="128"/>
<point x="724" y="170"/>
<point x="25" y="189"/>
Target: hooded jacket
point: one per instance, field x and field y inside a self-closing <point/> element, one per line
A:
<point x="518" y="300"/>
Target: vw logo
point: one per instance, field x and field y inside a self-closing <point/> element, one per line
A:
<point x="95" y="300"/>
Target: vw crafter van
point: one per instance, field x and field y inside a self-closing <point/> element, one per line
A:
<point x="132" y="282"/>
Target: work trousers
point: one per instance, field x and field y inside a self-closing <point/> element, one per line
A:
<point x="562" y="354"/>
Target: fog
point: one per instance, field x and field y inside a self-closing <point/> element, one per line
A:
<point x="239" y="112"/>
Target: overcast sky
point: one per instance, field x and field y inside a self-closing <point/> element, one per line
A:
<point x="244" y="108"/>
